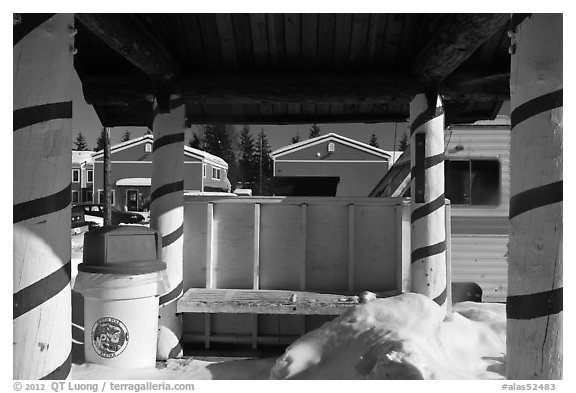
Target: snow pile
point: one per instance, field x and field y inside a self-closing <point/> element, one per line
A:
<point x="402" y="337"/>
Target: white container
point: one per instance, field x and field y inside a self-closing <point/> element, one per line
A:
<point x="120" y="318"/>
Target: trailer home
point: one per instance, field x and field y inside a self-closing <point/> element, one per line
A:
<point x="477" y="177"/>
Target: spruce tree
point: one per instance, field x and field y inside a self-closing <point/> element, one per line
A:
<point x="126" y="136"/>
<point x="374" y="141"/>
<point x="80" y="142"/>
<point x="101" y="141"/>
<point x="403" y="144"/>
<point x="246" y="165"/>
<point x="314" y="131"/>
<point x="264" y="165"/>
<point x="296" y="138"/>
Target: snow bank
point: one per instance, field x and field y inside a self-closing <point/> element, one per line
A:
<point x="402" y="337"/>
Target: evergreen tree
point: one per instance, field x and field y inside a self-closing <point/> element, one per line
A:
<point x="403" y="144"/>
<point x="195" y="142"/>
<point x="80" y="142"/>
<point x="314" y="131"/>
<point x="246" y="164"/>
<point x="264" y="165"/>
<point x="126" y="136"/>
<point x="296" y="138"/>
<point x="374" y="141"/>
<point x="101" y="141"/>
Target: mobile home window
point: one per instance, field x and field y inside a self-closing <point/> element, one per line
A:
<point x="75" y="175"/>
<point x="89" y="176"/>
<point x="472" y="182"/>
<point x="203" y="170"/>
<point x="215" y="173"/>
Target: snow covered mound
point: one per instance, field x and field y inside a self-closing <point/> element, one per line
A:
<point x="402" y="337"/>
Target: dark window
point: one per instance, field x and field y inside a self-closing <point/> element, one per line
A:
<point x="473" y="182"/>
<point x="89" y="176"/>
<point x="75" y="197"/>
<point x="89" y="196"/>
<point x="75" y="175"/>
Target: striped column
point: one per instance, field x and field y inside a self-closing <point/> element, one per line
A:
<point x="42" y="165"/>
<point x="428" y="230"/>
<point x="167" y="214"/>
<point x="534" y="303"/>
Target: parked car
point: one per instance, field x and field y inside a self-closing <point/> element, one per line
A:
<point x="94" y="213"/>
<point x="78" y="218"/>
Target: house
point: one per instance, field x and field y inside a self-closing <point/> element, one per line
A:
<point x="82" y="176"/>
<point x="477" y="182"/>
<point x="357" y="165"/>
<point x="131" y="173"/>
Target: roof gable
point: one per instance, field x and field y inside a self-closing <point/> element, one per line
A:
<point x="331" y="137"/>
<point x="149" y="138"/>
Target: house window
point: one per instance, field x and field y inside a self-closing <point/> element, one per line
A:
<point x="203" y="170"/>
<point x="75" y="196"/>
<point x="148" y="148"/>
<point x="331" y="147"/>
<point x="215" y="173"/>
<point x="89" y="196"/>
<point x="75" y="175"/>
<point x="89" y="176"/>
<point x="472" y="182"/>
<point x="101" y="197"/>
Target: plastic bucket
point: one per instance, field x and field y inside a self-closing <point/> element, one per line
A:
<point x="120" y="318"/>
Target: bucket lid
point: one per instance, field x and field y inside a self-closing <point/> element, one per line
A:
<point x="122" y="250"/>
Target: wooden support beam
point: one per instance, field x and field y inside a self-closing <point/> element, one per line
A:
<point x="534" y="306"/>
<point x="167" y="213"/>
<point x="258" y="89"/>
<point x="428" y="231"/>
<point x="128" y="36"/>
<point x="42" y="136"/>
<point x="452" y="44"/>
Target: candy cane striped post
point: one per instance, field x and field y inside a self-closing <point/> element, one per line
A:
<point x="42" y="123"/>
<point x="428" y="234"/>
<point x="167" y="211"/>
<point x="534" y="303"/>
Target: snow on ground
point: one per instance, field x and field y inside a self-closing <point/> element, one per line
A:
<point x="402" y="337"/>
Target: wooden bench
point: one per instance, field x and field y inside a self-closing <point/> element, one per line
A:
<point x="262" y="301"/>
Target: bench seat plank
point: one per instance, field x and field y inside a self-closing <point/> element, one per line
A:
<point x="261" y="301"/>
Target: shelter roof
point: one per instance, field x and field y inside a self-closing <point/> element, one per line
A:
<point x="291" y="68"/>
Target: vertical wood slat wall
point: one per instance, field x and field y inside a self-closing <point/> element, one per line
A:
<point x="290" y="243"/>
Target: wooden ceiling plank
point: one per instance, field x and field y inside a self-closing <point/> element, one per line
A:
<point x="358" y="40"/>
<point x="129" y="37"/>
<point x="243" y="39"/>
<point x="455" y="41"/>
<point x="394" y="29"/>
<point x="293" y="36"/>
<point x="376" y="33"/>
<point x="195" y="49"/>
<point x="227" y="43"/>
<point x="210" y="40"/>
<point x="326" y="33"/>
<point x="275" y="26"/>
<point x="310" y="41"/>
<point x="342" y="42"/>
<point x="259" y="31"/>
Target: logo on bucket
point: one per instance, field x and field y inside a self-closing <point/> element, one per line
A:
<point x="109" y="337"/>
